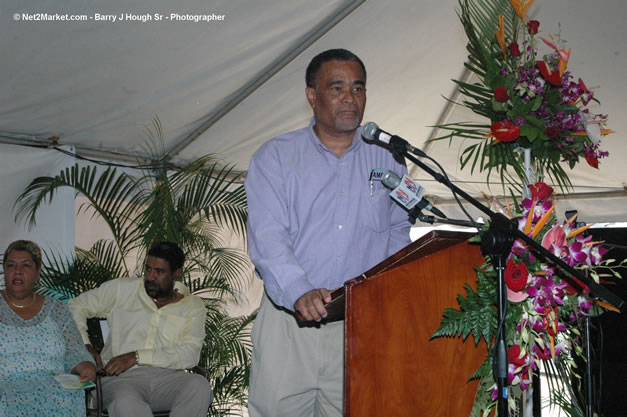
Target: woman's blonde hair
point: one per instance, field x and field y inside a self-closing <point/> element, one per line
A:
<point x="25" y="246"/>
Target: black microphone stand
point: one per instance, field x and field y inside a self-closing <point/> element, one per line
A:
<point x="416" y="214"/>
<point x="497" y="245"/>
<point x="589" y="392"/>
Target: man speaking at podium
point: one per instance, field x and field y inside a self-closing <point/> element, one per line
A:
<point x="317" y="218"/>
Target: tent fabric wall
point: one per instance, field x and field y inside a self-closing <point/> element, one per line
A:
<point x="54" y="230"/>
<point x="96" y="84"/>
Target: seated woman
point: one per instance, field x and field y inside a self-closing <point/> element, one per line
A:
<point x="38" y="337"/>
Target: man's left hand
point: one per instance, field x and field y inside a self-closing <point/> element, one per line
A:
<point x="120" y="363"/>
<point x="311" y="304"/>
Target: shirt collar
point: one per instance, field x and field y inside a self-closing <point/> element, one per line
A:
<point x="178" y="287"/>
<point x="321" y="147"/>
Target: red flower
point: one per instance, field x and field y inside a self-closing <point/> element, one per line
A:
<point x="513" y="356"/>
<point x="500" y="94"/>
<point x="587" y="94"/>
<point x="552" y="132"/>
<point x="532" y="27"/>
<point x="543" y="353"/>
<point x="569" y="289"/>
<point x="505" y="131"/>
<point x="592" y="161"/>
<point x="553" y="77"/>
<point x="550" y="320"/>
<point x="540" y="191"/>
<point x="516" y="275"/>
<point x="513" y="49"/>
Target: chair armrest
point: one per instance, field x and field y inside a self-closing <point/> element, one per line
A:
<point x="198" y="370"/>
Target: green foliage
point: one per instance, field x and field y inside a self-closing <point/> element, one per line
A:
<point x="534" y="110"/>
<point x="483" y="401"/>
<point x="476" y="313"/>
<point x="227" y="337"/>
<point x="65" y="278"/>
<point x="189" y="206"/>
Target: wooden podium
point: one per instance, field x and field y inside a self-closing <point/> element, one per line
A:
<point x="391" y="311"/>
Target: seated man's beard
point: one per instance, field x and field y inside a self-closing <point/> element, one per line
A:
<point x="155" y="291"/>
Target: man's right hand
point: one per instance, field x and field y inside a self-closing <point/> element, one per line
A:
<point x="311" y="304"/>
<point x="96" y="357"/>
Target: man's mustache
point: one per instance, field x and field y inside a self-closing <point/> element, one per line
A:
<point x="151" y="286"/>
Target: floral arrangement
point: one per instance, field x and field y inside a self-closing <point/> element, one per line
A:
<point x="543" y="307"/>
<point x="525" y="90"/>
<point x="538" y="119"/>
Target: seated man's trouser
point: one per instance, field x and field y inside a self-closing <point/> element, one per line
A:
<point x="296" y="371"/>
<point x="139" y="391"/>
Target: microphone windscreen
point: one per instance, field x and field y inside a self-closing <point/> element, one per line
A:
<point x="369" y="130"/>
<point x="390" y="179"/>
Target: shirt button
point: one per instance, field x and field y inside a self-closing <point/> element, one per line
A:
<point x="339" y="226"/>
<point x="341" y="193"/>
<point x="338" y="258"/>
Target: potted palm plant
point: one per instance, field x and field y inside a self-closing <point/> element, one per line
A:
<point x="191" y="206"/>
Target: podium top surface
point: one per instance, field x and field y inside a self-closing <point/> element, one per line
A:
<point x="432" y="242"/>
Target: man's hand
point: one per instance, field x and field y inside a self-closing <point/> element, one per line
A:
<point x="120" y="363"/>
<point x="96" y="357"/>
<point x="311" y="304"/>
<point x="85" y="370"/>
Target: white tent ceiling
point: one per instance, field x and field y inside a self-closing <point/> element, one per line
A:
<point x="226" y="86"/>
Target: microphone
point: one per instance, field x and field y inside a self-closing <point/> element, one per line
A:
<point x="408" y="193"/>
<point x="371" y="131"/>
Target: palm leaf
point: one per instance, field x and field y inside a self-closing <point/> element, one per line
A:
<point x="65" y="278"/>
<point x="226" y="355"/>
<point x="191" y="206"/>
<point x="110" y="195"/>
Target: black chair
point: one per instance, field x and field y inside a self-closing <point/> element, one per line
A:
<point x="93" y="396"/>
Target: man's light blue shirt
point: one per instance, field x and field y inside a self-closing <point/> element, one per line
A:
<point x="317" y="220"/>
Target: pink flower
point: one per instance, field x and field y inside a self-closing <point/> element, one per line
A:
<point x="587" y="94"/>
<point x="493" y="392"/>
<point x="596" y="254"/>
<point x="516" y="296"/>
<point x="519" y="247"/>
<point x="554" y="240"/>
<point x="583" y="303"/>
<point x="578" y="253"/>
<point x="563" y="53"/>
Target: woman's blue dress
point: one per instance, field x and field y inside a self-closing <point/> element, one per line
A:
<point x="30" y="352"/>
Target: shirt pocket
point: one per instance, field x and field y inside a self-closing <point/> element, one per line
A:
<point x="173" y="327"/>
<point x="377" y="210"/>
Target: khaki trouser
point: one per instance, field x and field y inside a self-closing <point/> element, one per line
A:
<point x="296" y="371"/>
<point x="138" y="391"/>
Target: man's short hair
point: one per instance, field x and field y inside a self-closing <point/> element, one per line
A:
<point x="313" y="69"/>
<point x="170" y="252"/>
<point x="24" y="246"/>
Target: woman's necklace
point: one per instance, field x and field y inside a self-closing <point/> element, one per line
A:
<point x="19" y="305"/>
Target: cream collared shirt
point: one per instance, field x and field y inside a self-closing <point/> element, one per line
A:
<point x="167" y="337"/>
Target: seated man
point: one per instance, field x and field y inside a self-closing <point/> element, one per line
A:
<point x="156" y="331"/>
